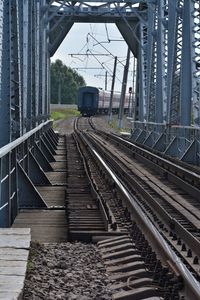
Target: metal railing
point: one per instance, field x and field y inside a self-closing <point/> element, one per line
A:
<point x="181" y="142"/>
<point x="22" y="164"/>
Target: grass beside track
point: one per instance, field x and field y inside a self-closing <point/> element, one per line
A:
<point x="64" y="113"/>
<point x="114" y="124"/>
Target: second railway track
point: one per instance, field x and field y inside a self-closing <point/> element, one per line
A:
<point x="176" y="224"/>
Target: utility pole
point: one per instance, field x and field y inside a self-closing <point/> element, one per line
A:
<point x="123" y="91"/>
<point x="129" y="100"/>
<point x="59" y="89"/>
<point x="106" y="80"/>
<point x="112" y="90"/>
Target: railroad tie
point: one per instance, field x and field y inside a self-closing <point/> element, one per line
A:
<point x="126" y="270"/>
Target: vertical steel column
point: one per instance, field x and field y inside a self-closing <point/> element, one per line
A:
<point x="161" y="59"/>
<point x="186" y="67"/>
<point x="30" y="68"/>
<point x="44" y="61"/>
<point x="195" y="60"/>
<point x="34" y="63"/>
<point x="41" y="90"/>
<point x="123" y="92"/>
<point x="133" y="98"/>
<point x="25" y="62"/>
<point x="20" y="63"/>
<point x="172" y="24"/>
<point x="15" y="72"/>
<point x="175" y="39"/>
<point x="151" y="61"/>
<point x="5" y="60"/>
<point x="141" y="78"/>
<point x="48" y="93"/>
<point x="37" y="61"/>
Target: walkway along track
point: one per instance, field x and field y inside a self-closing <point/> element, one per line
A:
<point x="133" y="211"/>
<point x="49" y="223"/>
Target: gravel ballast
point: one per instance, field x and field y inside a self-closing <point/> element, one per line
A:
<point x="66" y="271"/>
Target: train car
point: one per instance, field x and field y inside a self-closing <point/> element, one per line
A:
<point x="92" y="100"/>
<point x="88" y="98"/>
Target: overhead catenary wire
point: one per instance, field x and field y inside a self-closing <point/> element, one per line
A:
<point x="104" y="48"/>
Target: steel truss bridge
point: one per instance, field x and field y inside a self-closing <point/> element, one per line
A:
<point x="164" y="36"/>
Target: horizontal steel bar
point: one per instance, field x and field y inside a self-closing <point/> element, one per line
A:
<point x="170" y="163"/>
<point x="13" y="195"/>
<point x="9" y="147"/>
<point x="3" y="179"/>
<point x="165" y="125"/>
<point x="2" y="207"/>
<point x="110" y="1"/>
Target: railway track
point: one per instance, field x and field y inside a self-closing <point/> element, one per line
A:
<point x="149" y="247"/>
<point x="178" y="206"/>
<point x="89" y="217"/>
<point x="166" y="209"/>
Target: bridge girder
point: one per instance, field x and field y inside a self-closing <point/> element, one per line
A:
<point x="124" y="14"/>
<point x="163" y="35"/>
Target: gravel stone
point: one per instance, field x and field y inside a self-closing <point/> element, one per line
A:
<point x="71" y="271"/>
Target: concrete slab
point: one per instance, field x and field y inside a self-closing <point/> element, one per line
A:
<point x="19" y="231"/>
<point x="14" y="241"/>
<point x="14" y="251"/>
<point x="9" y="295"/>
<point x="7" y="254"/>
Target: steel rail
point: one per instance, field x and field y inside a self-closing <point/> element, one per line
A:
<point x="107" y="215"/>
<point x="176" y="172"/>
<point x="193" y="286"/>
<point x="192" y="241"/>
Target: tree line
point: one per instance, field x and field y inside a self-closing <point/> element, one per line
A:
<point x="64" y="83"/>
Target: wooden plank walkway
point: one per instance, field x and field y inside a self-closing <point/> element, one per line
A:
<point x="14" y="251"/>
<point x="49" y="225"/>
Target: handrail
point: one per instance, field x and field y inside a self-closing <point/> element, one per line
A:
<point x="9" y="147"/>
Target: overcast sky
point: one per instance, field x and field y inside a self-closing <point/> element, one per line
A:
<point x="78" y="41"/>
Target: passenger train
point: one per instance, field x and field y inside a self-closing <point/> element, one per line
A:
<point x="92" y="101"/>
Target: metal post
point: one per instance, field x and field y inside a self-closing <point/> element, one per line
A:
<point x="37" y="62"/>
<point x="5" y="38"/>
<point x="106" y="80"/>
<point x="123" y="91"/>
<point x="112" y="89"/>
<point x="59" y="88"/>
<point x="25" y="63"/>
<point x="129" y="103"/>
<point x="160" y="69"/>
<point x="141" y="77"/>
<point x="134" y="88"/>
<point x="186" y="68"/>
